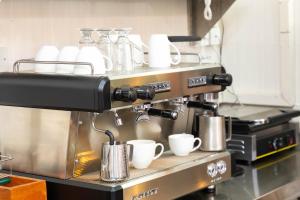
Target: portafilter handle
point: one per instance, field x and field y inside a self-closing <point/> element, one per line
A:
<point x="169" y="114"/>
<point x="203" y="105"/>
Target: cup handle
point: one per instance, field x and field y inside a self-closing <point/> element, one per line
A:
<point x="141" y="50"/>
<point x="113" y="32"/>
<point x="178" y="59"/>
<point x="161" y="151"/>
<point x="229" y="131"/>
<point x="199" y="144"/>
<point x="108" y="67"/>
<point x="130" y="152"/>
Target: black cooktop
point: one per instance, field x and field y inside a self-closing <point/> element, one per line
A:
<point x="247" y="119"/>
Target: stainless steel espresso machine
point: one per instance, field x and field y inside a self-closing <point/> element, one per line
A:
<point x="49" y="125"/>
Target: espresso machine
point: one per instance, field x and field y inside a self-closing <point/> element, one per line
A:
<point x="50" y="125"/>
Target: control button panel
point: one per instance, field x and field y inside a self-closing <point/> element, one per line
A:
<point x="276" y="142"/>
<point x="221" y="166"/>
<point x="280" y="142"/>
<point x="212" y="170"/>
<point x="197" y="81"/>
<point x="163" y="86"/>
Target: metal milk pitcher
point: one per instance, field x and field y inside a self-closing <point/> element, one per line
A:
<point x="212" y="132"/>
<point x="115" y="161"/>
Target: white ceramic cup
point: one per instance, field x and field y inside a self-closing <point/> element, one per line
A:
<point x="46" y="53"/>
<point x="183" y="144"/>
<point x="67" y="53"/>
<point x="92" y="54"/>
<point x="138" y="49"/>
<point x="144" y="152"/>
<point x="160" y="52"/>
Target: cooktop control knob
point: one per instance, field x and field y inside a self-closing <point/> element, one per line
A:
<point x="222" y="79"/>
<point x="124" y="94"/>
<point x="221" y="166"/>
<point x="212" y="170"/>
<point x="275" y="143"/>
<point x="145" y="92"/>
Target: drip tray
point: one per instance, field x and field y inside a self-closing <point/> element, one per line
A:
<point x="168" y="163"/>
<point x="187" y="174"/>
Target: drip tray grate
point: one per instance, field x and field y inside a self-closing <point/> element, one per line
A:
<point x="167" y="162"/>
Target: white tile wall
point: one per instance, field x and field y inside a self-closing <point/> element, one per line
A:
<point x="27" y="24"/>
<point x="297" y="35"/>
<point x="258" y="55"/>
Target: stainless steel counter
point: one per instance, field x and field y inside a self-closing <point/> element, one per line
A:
<point x="274" y="178"/>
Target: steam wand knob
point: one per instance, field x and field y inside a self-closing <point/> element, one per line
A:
<point x="145" y="92"/>
<point x="124" y="94"/>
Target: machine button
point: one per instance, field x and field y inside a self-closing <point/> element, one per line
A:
<point x="124" y="94"/>
<point x="212" y="170"/>
<point x="222" y="79"/>
<point x="221" y="166"/>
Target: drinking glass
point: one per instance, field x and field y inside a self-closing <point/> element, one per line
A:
<point x="138" y="51"/>
<point x="89" y="52"/>
<point x="106" y="43"/>
<point x="124" y="51"/>
<point x="86" y="37"/>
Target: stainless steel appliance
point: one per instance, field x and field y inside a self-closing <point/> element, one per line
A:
<point x="212" y="131"/>
<point x="260" y="131"/>
<point x="115" y="161"/>
<point x="53" y="133"/>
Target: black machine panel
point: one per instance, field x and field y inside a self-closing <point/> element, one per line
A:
<point x="266" y="142"/>
<point x="244" y="126"/>
<point x="258" y="132"/>
<point x="277" y="142"/>
<point x="58" y="92"/>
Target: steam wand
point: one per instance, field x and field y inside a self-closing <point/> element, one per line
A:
<point x="106" y="132"/>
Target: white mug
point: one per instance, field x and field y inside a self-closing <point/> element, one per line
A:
<point x="138" y="49"/>
<point x="67" y="53"/>
<point x="183" y="144"/>
<point x="46" y="53"/>
<point x="92" y="54"/>
<point x="144" y="152"/>
<point x="160" y="52"/>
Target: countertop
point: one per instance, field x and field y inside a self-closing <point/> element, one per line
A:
<point x="273" y="178"/>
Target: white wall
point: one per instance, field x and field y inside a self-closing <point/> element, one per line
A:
<point x="259" y="51"/>
<point x="27" y="24"/>
<point x="297" y="34"/>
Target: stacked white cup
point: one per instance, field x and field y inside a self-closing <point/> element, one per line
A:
<point x="67" y="53"/>
<point x="160" y="52"/>
<point x="46" y="53"/>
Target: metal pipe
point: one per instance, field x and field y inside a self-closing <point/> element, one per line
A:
<point x="16" y="65"/>
<point x="106" y="132"/>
